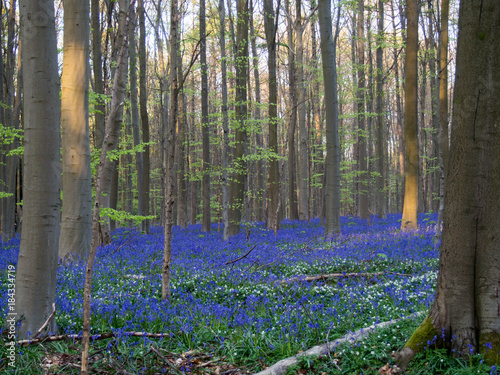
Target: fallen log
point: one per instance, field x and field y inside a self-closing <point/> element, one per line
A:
<point x="323" y="350"/>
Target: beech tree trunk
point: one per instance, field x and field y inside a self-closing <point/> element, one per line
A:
<point x="466" y="303"/>
<point x="292" y="188"/>
<point x="76" y="220"/>
<point x="410" y="206"/>
<point x="329" y="60"/>
<point x="236" y="197"/>
<point x="362" y="133"/>
<point x="205" y="130"/>
<point x="143" y="96"/>
<point x="37" y="262"/>
<point x="273" y="180"/>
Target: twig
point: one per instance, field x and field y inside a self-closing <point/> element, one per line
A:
<point x="164" y="359"/>
<point x="47" y="321"/>
<point x="241" y="257"/>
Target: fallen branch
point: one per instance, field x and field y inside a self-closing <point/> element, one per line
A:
<point x="52" y="314"/>
<point x="327" y="276"/>
<point x="164" y="359"/>
<point x="100" y="336"/>
<point x="323" y="350"/>
<point x="241" y="257"/>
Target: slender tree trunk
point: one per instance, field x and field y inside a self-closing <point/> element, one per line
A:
<point x="170" y="153"/>
<point x="273" y="181"/>
<point x="225" y="127"/>
<point x="236" y="197"/>
<point x="143" y="97"/>
<point x="104" y="170"/>
<point x="301" y="109"/>
<point x="410" y="207"/>
<point x="292" y="189"/>
<point x="100" y="107"/>
<point x="329" y="59"/>
<point x="76" y="221"/>
<point x="134" y="106"/>
<point x="260" y="172"/>
<point x="381" y="141"/>
<point x="465" y="307"/>
<point x="205" y="129"/>
<point x="37" y="261"/>
<point x="443" y="82"/>
<point x="181" y="140"/>
<point x="362" y="133"/>
<point x="9" y="204"/>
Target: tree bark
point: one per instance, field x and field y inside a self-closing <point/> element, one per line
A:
<point x="362" y="133"/>
<point x="292" y="188"/>
<point x="134" y="107"/>
<point x="410" y="207"/>
<point x="37" y="262"/>
<point x="381" y="141"/>
<point x="205" y="129"/>
<point x="303" y="175"/>
<point x="236" y="197"/>
<point x="329" y="60"/>
<point x="170" y="152"/>
<point x="76" y="220"/>
<point x="466" y="303"/>
<point x="273" y="181"/>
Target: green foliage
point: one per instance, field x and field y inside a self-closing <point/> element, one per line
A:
<point x="10" y="135"/>
<point x="123" y="216"/>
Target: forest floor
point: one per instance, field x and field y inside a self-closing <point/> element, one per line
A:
<point x="240" y="306"/>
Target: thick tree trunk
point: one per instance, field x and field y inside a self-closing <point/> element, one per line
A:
<point x="465" y="308"/>
<point x="76" y="221"/>
<point x="329" y="60"/>
<point x="410" y="206"/>
<point x="37" y="262"/>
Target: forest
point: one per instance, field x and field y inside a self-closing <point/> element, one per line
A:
<point x="249" y="186"/>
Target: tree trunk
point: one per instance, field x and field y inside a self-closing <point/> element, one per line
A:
<point x="465" y="307"/>
<point x="301" y="109"/>
<point x="381" y="142"/>
<point x="292" y="189"/>
<point x="143" y="97"/>
<point x="236" y="197"/>
<point x="134" y="106"/>
<point x="443" y="82"/>
<point x="104" y="171"/>
<point x="170" y="152"/>
<point x="273" y="181"/>
<point x="410" y="206"/>
<point x="100" y="107"/>
<point x="362" y="133"/>
<point x="205" y="129"/>
<point x="9" y="203"/>
<point x="37" y="262"/>
<point x="329" y="60"/>
<point x="76" y="220"/>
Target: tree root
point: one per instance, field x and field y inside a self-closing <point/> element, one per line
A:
<point x="280" y="368"/>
